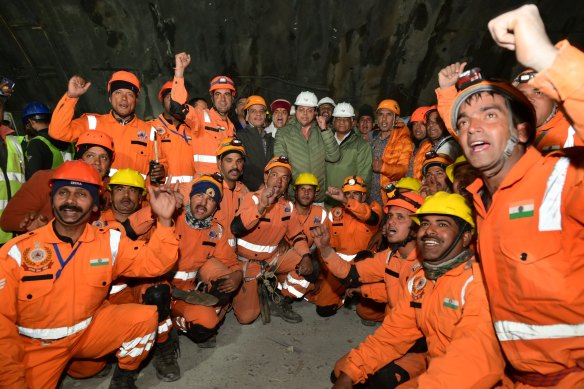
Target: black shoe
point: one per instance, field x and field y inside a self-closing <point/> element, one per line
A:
<point x="284" y="310"/>
<point x="209" y="343"/>
<point x="123" y="379"/>
<point x="164" y="359"/>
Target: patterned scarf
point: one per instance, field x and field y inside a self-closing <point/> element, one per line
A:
<point x="433" y="272"/>
<point x="194" y="223"/>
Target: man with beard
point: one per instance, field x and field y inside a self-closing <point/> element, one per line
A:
<point x="392" y="149"/>
<point x="208" y="126"/>
<point x="55" y="281"/>
<point x="258" y="143"/>
<point x="131" y="135"/>
<point x="442" y="141"/>
<point x="325" y="108"/>
<point x="382" y="277"/>
<point x="420" y="142"/>
<point x="280" y="113"/>
<point x="204" y="258"/>
<point x="444" y="300"/>
<point x="262" y="221"/>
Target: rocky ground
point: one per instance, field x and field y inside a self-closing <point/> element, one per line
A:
<point x="278" y="354"/>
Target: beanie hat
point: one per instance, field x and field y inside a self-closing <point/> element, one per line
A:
<point x="210" y="186"/>
<point x="92" y="189"/>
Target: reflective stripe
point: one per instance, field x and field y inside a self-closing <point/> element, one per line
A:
<point x="255" y="247"/>
<point x="463" y="292"/>
<point x="232" y="242"/>
<point x="136" y="347"/>
<point x="347" y="257"/>
<point x="3" y="203"/>
<point x="118" y="288"/>
<point x="330" y="216"/>
<point x="185" y="276"/>
<point x="165" y="326"/>
<point x="323" y="217"/>
<point x="114" y="171"/>
<point x="302" y="283"/>
<point x="255" y="199"/>
<point x="550" y="216"/>
<point x="15" y="253"/>
<point x="207" y="117"/>
<point x="67" y="156"/>
<point x="91" y="122"/>
<point x="13" y="176"/>
<point x="54" y="333"/>
<point x="292" y="290"/>
<point x="510" y="330"/>
<point x="205" y="158"/>
<point x="570" y="138"/>
<point x="114" y="244"/>
<point x="181" y="179"/>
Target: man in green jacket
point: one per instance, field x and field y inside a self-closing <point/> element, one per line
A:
<point x="307" y="142"/>
<point x="356" y="155"/>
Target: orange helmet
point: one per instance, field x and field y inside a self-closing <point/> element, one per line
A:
<point x="95" y="138"/>
<point x="354" y="184"/>
<point x="408" y="200"/>
<point x="123" y="80"/>
<point x="230" y="145"/>
<point x="392" y="105"/>
<point x="435" y="159"/>
<point x="166" y="87"/>
<point x="222" y="82"/>
<point x="255" y="100"/>
<point x="278" y="161"/>
<point x="77" y="172"/>
<point x="419" y="115"/>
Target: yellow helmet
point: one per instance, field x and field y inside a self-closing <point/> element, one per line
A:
<point x="442" y="203"/>
<point x="450" y="168"/>
<point x="307" y="179"/>
<point x="409" y="183"/>
<point x="128" y="177"/>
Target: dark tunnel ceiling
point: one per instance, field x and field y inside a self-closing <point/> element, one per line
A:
<point x="355" y="51"/>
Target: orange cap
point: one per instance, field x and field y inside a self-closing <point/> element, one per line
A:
<point x="408" y="200"/>
<point x="392" y="105"/>
<point x="278" y="161"/>
<point x="419" y="114"/>
<point x="97" y="138"/>
<point x="123" y="79"/>
<point x="222" y="82"/>
<point x="230" y="145"/>
<point x="167" y="86"/>
<point x="77" y="171"/>
<point x="255" y="100"/>
<point x="354" y="184"/>
<point x="438" y="159"/>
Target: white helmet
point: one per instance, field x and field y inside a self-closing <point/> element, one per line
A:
<point x="326" y="100"/>
<point x="306" y="99"/>
<point x="344" y="110"/>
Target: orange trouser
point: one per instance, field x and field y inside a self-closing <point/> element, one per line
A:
<point x="368" y="309"/>
<point x="246" y="304"/>
<point x="327" y="290"/>
<point x="208" y="317"/>
<point x="129" y="328"/>
<point x="572" y="380"/>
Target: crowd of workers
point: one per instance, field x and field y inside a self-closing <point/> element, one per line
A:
<point x="459" y="230"/>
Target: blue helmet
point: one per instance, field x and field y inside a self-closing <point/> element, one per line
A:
<point x="35" y="110"/>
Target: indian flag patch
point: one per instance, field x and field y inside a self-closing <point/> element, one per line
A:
<point x="450" y="303"/>
<point x="99" y="262"/>
<point x="521" y="209"/>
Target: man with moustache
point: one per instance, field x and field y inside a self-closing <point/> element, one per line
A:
<point x="325" y="108"/>
<point x="280" y="113"/>
<point x="55" y="281"/>
<point x="434" y="173"/>
<point x="442" y="141"/>
<point x="444" y="300"/>
<point x="261" y="223"/>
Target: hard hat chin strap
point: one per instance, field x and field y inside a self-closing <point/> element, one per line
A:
<point x="512" y="142"/>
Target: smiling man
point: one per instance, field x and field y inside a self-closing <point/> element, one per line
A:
<point x="445" y="301"/>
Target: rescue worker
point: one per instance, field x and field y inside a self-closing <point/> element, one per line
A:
<point x="230" y="162"/>
<point x="529" y="206"/>
<point x="261" y="223"/>
<point x="434" y="173"/>
<point x="204" y="257"/>
<point x="420" y="141"/>
<point x="131" y="135"/>
<point x="42" y="151"/>
<point x="307" y="143"/>
<point x="352" y="225"/>
<point x="461" y="174"/>
<point x="280" y="109"/>
<point x="56" y="280"/>
<point x="175" y="139"/>
<point x="554" y="131"/>
<point x="208" y="126"/>
<point x="365" y="122"/>
<point x="444" y="300"/>
<point x="356" y="155"/>
<point x="442" y="142"/>
<point x="382" y="276"/>
<point x="392" y="149"/>
<point x="325" y="107"/>
<point x="258" y="143"/>
<point x="31" y="207"/>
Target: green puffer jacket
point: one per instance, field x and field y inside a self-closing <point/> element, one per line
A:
<point x="307" y="156"/>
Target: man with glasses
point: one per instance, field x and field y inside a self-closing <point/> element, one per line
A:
<point x="307" y="142"/>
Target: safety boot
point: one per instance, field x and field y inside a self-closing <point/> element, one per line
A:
<point x="283" y="309"/>
<point x="209" y="343"/>
<point x="123" y="379"/>
<point x="165" y="359"/>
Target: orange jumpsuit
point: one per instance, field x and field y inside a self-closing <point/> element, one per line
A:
<point x="351" y="230"/>
<point x="259" y="236"/>
<point x="556" y="134"/>
<point x="205" y="256"/>
<point x="176" y="145"/>
<point x="452" y="312"/>
<point x="208" y="129"/>
<point x="229" y="204"/>
<point x="132" y="143"/>
<point x="396" y="157"/>
<point x="52" y="313"/>
<point x="420" y="158"/>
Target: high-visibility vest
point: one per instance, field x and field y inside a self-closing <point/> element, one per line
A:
<point x="14" y="173"/>
<point x="59" y="156"/>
